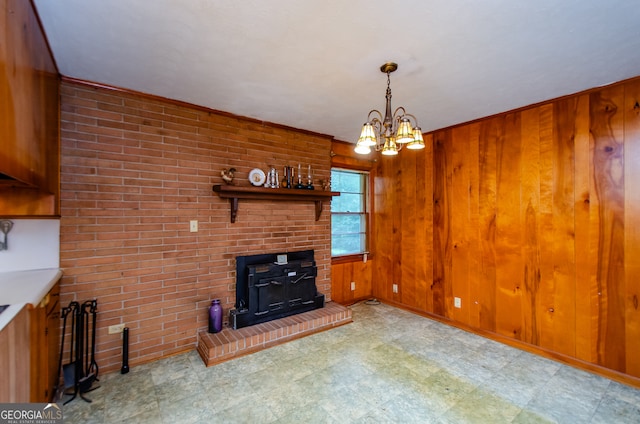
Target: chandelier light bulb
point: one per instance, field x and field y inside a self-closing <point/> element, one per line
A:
<point x="418" y="142"/>
<point x="390" y="147"/>
<point x="362" y="150"/>
<point x="405" y="132"/>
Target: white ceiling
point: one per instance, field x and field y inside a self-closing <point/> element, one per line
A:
<point x="314" y="64"/>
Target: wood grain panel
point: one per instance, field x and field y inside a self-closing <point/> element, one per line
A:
<point x="530" y="217"/>
<point x="441" y="286"/>
<point x="422" y="225"/>
<point x="394" y="230"/>
<point x="586" y="237"/>
<point x="632" y="227"/>
<point x="487" y="193"/>
<point x="545" y="305"/>
<point x="563" y="308"/>
<point x="508" y="234"/>
<point x="407" y="215"/>
<point x="474" y="276"/>
<point x="458" y="169"/>
<point x="606" y="118"/>
<point x="384" y="205"/>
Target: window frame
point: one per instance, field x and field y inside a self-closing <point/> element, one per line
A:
<point x="368" y="213"/>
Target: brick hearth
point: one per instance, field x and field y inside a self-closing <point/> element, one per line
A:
<point x="230" y="343"/>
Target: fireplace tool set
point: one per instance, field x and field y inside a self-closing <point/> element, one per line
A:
<point x="81" y="371"/>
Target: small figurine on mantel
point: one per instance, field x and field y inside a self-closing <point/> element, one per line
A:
<point x="326" y="184"/>
<point x="227" y="175"/>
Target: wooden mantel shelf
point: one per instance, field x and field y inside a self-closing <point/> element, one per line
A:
<point x="233" y="193"/>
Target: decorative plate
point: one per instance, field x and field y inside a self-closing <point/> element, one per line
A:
<point x="257" y="177"/>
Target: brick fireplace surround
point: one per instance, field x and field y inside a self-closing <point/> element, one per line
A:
<point x="135" y="170"/>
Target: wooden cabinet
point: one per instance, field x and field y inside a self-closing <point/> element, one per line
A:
<point x="44" y="343"/>
<point x="29" y="115"/>
<point x="14" y="359"/>
<point x="29" y="352"/>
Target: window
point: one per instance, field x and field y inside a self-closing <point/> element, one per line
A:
<point x="349" y="212"/>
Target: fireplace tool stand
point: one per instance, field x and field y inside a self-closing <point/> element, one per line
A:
<point x="81" y="371"/>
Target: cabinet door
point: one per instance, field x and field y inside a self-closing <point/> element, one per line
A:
<point x="29" y="116"/>
<point x="14" y="359"/>
<point x="44" y="341"/>
<point x="38" y="361"/>
<point x="53" y="340"/>
<point x="28" y="99"/>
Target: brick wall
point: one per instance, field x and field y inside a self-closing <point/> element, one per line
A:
<point x="134" y="171"/>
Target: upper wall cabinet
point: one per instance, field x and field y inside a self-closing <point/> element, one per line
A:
<point x="29" y="115"/>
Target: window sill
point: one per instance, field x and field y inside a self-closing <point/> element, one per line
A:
<point x="358" y="257"/>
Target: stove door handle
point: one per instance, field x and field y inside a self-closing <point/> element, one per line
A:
<point x="303" y="276"/>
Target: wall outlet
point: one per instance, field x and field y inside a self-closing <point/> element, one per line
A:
<point x="193" y="226"/>
<point x="395" y="288"/>
<point x="115" y="329"/>
<point x="353" y="285"/>
<point x="457" y="302"/>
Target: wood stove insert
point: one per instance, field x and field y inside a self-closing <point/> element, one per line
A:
<point x="267" y="289"/>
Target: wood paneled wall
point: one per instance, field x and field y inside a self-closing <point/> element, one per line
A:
<point x="356" y="271"/>
<point x="532" y="219"/>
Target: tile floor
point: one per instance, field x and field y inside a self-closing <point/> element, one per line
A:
<point x="388" y="366"/>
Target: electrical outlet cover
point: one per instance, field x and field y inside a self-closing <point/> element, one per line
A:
<point x="115" y="329"/>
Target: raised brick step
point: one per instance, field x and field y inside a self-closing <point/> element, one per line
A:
<point x="230" y="343"/>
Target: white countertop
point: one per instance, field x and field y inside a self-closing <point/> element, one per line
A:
<point x="19" y="288"/>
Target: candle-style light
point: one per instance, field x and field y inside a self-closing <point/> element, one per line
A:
<point x="390" y="133"/>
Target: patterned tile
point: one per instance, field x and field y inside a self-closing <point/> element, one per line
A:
<point x="614" y="410"/>
<point x="571" y="395"/>
<point x="388" y="366"/>
<point x="480" y="406"/>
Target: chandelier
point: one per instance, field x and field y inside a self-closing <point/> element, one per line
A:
<point x="390" y="133"/>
